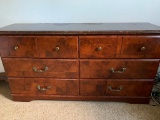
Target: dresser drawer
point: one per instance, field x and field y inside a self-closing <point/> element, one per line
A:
<point x="116" y="87"/>
<point x="44" y="86"/>
<point x="99" y="46"/>
<point x="119" y="68"/>
<point x="141" y="47"/>
<point x="41" y="68"/>
<point x="18" y="46"/>
<point x="58" y="46"/>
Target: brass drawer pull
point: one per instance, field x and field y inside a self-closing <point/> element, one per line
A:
<point x="115" y="90"/>
<point x="118" y="71"/>
<point x="57" y="48"/>
<point x="16" y="48"/>
<point x="99" y="48"/>
<point x="43" y="89"/>
<point x="36" y="70"/>
<point x="143" y="48"/>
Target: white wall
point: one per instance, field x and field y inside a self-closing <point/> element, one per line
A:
<point x="78" y="11"/>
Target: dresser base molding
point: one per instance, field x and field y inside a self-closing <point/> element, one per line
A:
<point x="30" y="97"/>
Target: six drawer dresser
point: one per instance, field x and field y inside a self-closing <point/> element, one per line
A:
<point x="76" y="61"/>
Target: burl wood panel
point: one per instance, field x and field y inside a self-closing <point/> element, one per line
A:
<point x="129" y="87"/>
<point x="134" y="68"/>
<point x="56" y="68"/>
<point x="141" y="47"/>
<point x="57" y="46"/>
<point x="99" y="46"/>
<point x="57" y="86"/>
<point x="18" y="46"/>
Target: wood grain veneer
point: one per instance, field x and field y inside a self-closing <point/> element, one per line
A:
<point x="94" y="61"/>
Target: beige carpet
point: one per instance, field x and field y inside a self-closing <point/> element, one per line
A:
<point x="72" y="110"/>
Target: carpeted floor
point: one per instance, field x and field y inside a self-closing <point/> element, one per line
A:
<point x="72" y="110"/>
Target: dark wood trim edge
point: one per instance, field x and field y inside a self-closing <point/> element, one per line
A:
<point x="132" y="100"/>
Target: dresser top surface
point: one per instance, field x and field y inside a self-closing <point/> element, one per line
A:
<point x="81" y="28"/>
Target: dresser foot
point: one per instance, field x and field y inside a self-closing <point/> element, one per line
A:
<point x="21" y="99"/>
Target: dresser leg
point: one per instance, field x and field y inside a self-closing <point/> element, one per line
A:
<point x="21" y="99"/>
<point x="140" y="101"/>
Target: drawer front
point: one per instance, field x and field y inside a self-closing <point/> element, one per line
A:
<point x="116" y="87"/>
<point x="58" y="47"/>
<point x="41" y="68"/>
<point x="141" y="47"/>
<point x="13" y="46"/>
<point x="118" y="69"/>
<point x="99" y="47"/>
<point x="44" y="86"/>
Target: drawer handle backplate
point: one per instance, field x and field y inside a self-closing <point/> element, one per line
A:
<point x="115" y="90"/>
<point x="118" y="71"/>
<point x="43" y="89"/>
<point x="36" y="70"/>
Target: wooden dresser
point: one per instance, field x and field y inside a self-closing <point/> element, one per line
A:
<point x="102" y="62"/>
